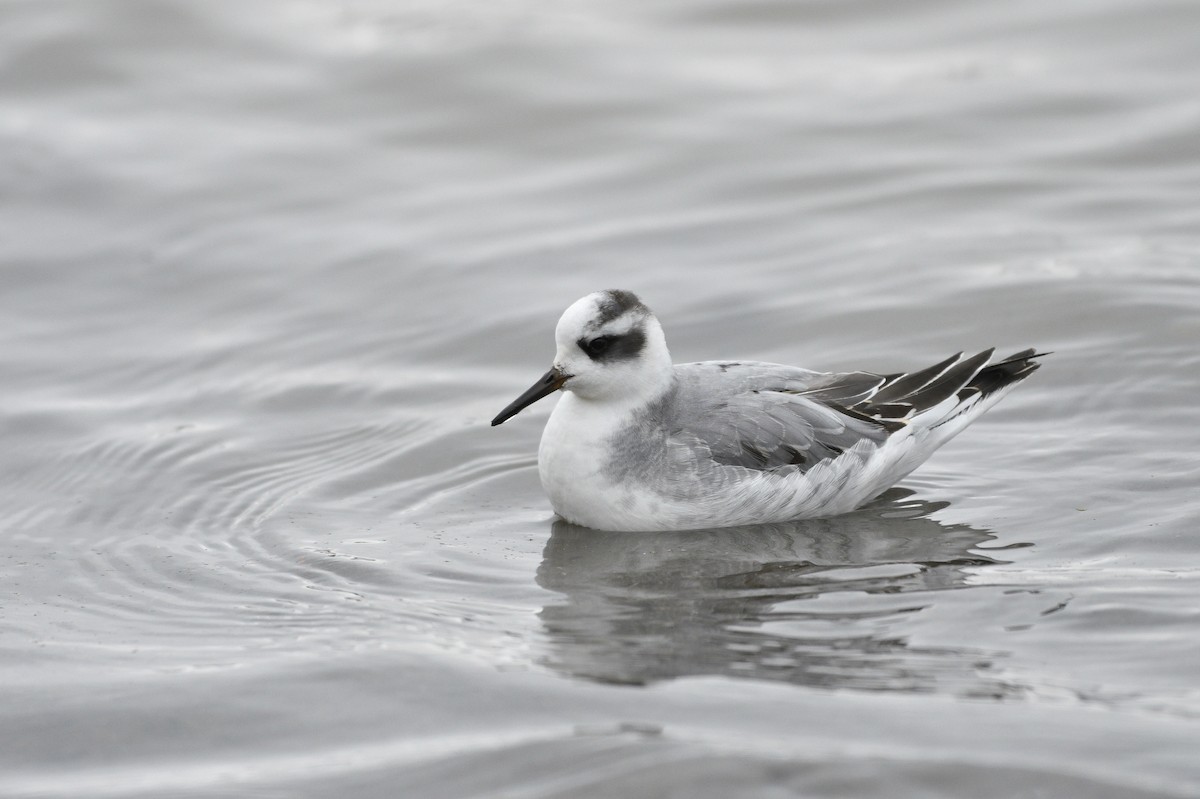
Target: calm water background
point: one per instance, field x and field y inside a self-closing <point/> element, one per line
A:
<point x="268" y="269"/>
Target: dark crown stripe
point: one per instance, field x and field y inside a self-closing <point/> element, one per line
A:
<point x="617" y="303"/>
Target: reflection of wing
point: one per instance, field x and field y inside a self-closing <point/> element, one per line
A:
<point x="767" y="416"/>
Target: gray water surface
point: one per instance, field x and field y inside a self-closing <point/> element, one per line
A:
<point x="267" y="270"/>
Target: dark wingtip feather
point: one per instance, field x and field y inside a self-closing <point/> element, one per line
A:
<point x="1012" y="369"/>
<point x="948" y="383"/>
<point x="871" y="415"/>
<point x="904" y="385"/>
<point x="905" y="395"/>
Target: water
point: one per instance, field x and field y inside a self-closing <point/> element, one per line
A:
<point x="269" y="269"/>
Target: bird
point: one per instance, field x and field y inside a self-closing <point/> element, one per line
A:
<point x="638" y="443"/>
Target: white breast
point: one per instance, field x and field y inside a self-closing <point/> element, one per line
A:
<point x="572" y="460"/>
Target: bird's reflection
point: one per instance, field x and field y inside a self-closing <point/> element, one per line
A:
<point x="816" y="602"/>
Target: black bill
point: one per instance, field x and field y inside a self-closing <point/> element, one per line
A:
<point x="548" y="383"/>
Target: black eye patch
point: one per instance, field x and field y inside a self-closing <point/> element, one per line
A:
<point x="596" y="347"/>
<point x="613" y="348"/>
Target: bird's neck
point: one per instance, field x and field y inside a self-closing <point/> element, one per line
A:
<point x="600" y="416"/>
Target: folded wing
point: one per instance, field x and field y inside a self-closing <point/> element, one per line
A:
<point x="768" y="416"/>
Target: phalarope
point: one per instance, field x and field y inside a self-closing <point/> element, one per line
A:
<point x="637" y="443"/>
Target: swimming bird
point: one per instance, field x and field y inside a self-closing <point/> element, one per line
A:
<point x="639" y="443"/>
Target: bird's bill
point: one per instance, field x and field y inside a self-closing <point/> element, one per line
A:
<point x="547" y="384"/>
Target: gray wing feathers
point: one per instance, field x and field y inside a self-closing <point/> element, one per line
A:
<point x="845" y="388"/>
<point x="764" y="416"/>
<point x="770" y="416"/>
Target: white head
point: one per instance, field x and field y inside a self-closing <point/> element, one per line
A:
<point x="610" y="349"/>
